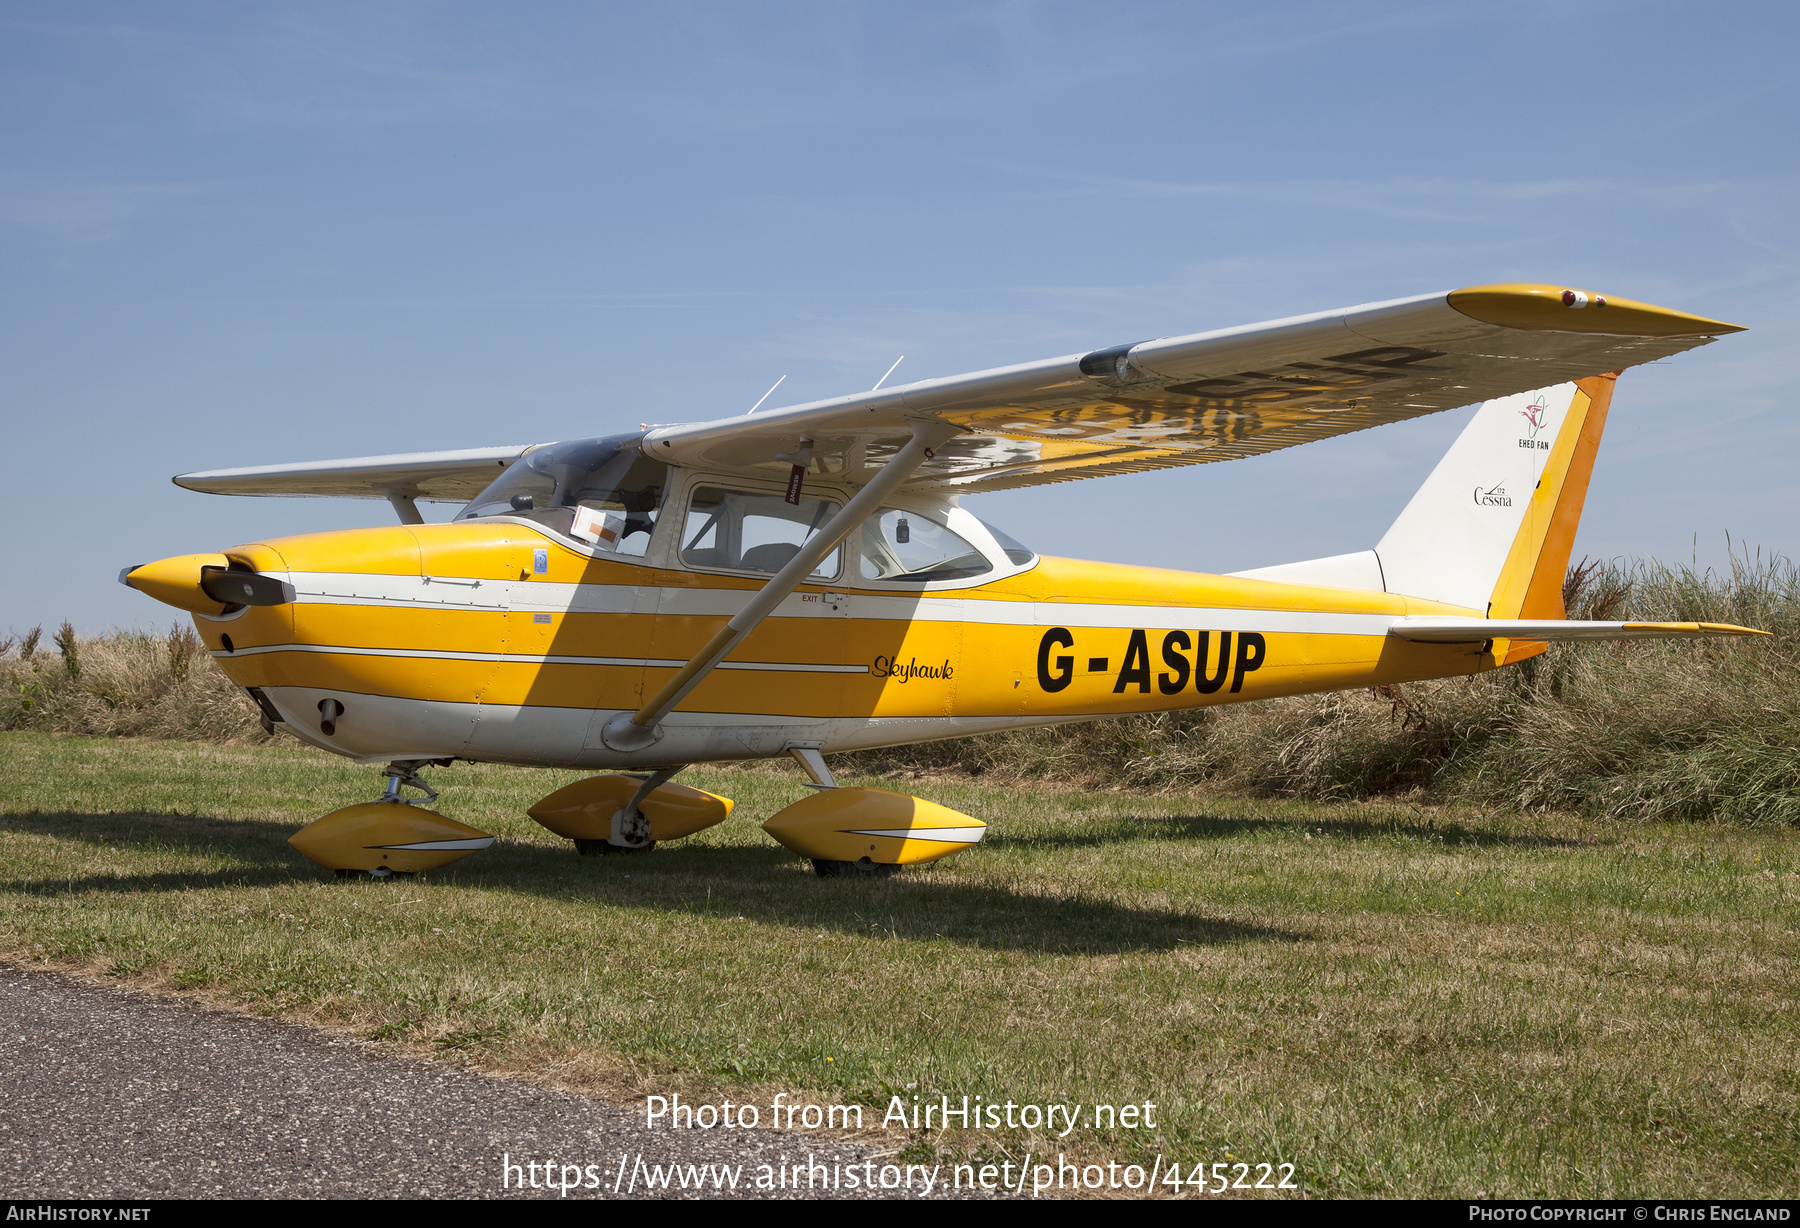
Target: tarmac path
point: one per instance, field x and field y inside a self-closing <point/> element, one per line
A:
<point x="107" y="1092"/>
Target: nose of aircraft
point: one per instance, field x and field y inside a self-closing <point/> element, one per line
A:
<point x="205" y="584"/>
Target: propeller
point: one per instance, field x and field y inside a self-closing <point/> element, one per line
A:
<point x="244" y="587"/>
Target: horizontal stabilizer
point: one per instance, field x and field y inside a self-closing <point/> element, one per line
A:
<point x="1474" y="630"/>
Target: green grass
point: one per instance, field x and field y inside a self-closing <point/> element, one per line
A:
<point x="1398" y="1000"/>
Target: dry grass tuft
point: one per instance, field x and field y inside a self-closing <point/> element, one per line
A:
<point x="123" y="684"/>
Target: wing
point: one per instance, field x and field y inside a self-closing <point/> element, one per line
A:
<point x="407" y="475"/>
<point x="1209" y="396"/>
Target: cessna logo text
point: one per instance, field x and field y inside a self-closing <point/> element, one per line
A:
<point x="1494" y="496"/>
<point x="906" y="671"/>
<point x="1238" y="654"/>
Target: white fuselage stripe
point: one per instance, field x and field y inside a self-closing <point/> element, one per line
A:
<point x="525" y="658"/>
<point x="542" y="596"/>
<point x="945" y="835"/>
<point x="430" y="846"/>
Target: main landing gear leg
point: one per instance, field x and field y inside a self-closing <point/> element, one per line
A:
<point x="628" y="813"/>
<point x="630" y="825"/>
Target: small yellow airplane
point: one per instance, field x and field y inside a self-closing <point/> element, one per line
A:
<point x="806" y="580"/>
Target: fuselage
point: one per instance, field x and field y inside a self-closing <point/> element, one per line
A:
<point x="499" y="639"/>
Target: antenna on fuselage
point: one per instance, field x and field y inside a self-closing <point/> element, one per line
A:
<point x="890" y="371"/>
<point x="765" y="396"/>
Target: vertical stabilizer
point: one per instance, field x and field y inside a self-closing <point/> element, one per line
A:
<point x="1492" y="527"/>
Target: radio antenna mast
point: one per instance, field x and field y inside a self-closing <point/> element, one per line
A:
<point x="765" y="396"/>
<point x="890" y="371"/>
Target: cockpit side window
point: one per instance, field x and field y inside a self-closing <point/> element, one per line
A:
<point x="604" y="492"/>
<point x="738" y="530"/>
<point x="1016" y="551"/>
<point x="909" y="547"/>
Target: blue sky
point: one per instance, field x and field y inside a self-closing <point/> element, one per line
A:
<point x="236" y="234"/>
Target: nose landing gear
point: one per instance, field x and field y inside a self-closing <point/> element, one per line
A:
<point x="404" y="774"/>
<point x="395" y="835"/>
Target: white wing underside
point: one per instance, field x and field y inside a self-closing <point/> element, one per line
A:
<point x="1173" y="401"/>
<point x="458" y="476"/>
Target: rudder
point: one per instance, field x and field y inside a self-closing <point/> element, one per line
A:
<point x="1540" y="557"/>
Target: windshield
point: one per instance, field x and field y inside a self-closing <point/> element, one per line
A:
<point x="604" y="492"/>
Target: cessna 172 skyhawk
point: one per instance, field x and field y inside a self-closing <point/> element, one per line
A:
<point x="806" y="580"/>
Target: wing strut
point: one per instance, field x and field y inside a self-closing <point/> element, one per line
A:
<point x="403" y="505"/>
<point x="638" y="730"/>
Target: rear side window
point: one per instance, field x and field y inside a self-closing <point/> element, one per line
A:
<point x="737" y="530"/>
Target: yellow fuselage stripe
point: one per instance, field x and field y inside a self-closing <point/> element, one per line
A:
<point x="455" y="613"/>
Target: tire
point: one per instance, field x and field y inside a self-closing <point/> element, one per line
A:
<point x="853" y="869"/>
<point x="602" y="848"/>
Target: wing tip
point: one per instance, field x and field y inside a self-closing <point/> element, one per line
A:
<point x="1540" y="307"/>
<point x="1692" y="630"/>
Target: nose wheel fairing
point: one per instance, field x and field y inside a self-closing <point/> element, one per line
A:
<point x="392" y="836"/>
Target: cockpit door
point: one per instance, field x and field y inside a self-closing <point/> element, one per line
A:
<point x="790" y="671"/>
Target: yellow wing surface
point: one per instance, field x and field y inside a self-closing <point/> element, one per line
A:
<point x="1183" y="400"/>
<point x="1209" y="396"/>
